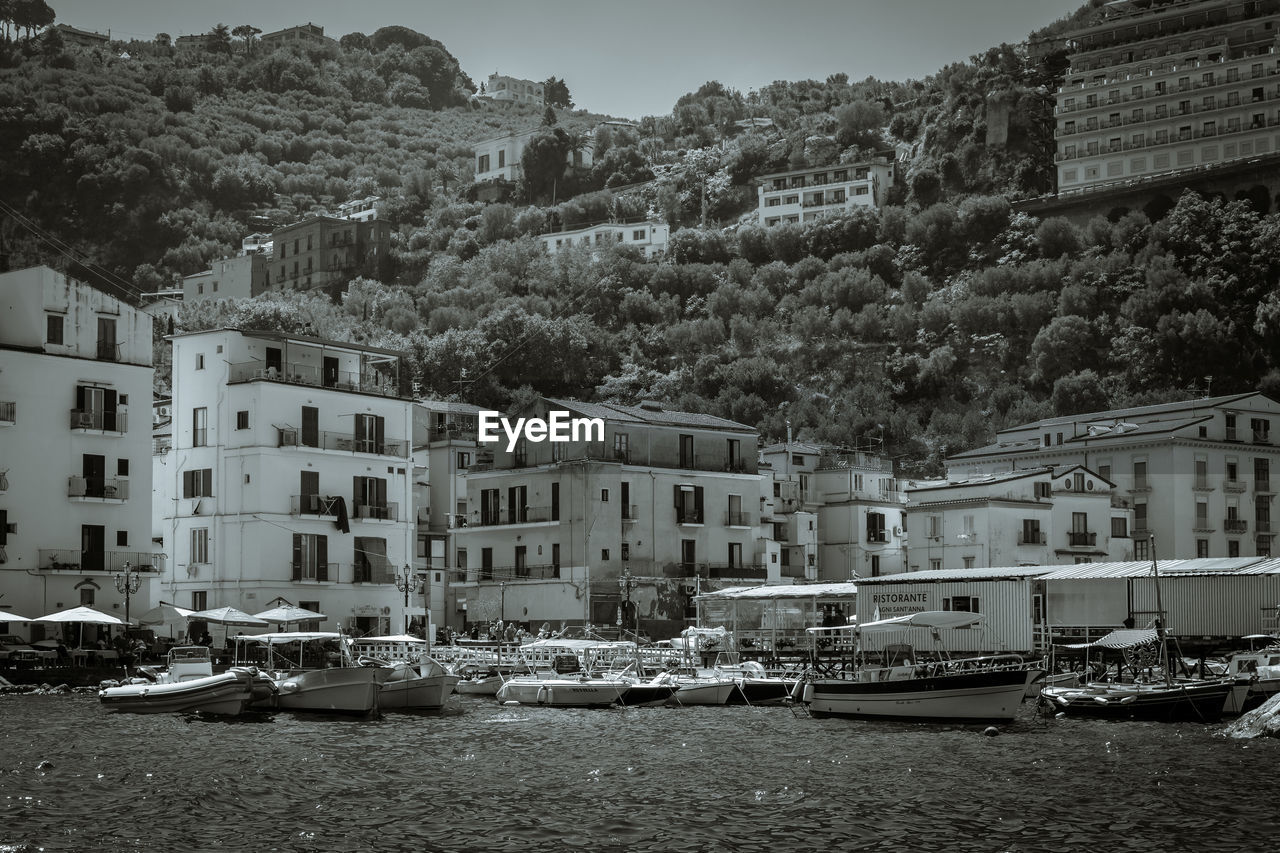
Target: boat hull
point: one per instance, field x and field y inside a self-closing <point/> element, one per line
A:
<point x="766" y="691"/>
<point x="705" y="692"/>
<point x="647" y="694"/>
<point x="993" y="695"/>
<point x="487" y="686"/>
<point x="1188" y="702"/>
<point x="227" y="693"/>
<point x="421" y="693"/>
<point x="562" y="692"/>
<point x="341" y="690"/>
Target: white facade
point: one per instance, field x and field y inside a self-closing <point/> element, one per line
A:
<point x="277" y="441"/>
<point x="499" y="158"/>
<point x="75" y="430"/>
<point x="228" y="278"/>
<point x="500" y="87"/>
<point x="650" y="237"/>
<point x="1037" y="516"/>
<point x="804" y="195"/>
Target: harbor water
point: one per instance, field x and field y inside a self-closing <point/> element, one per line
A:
<point x="485" y="777"/>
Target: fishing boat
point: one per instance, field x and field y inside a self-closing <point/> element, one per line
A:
<point x="1255" y="676"/>
<point x="417" y="681"/>
<point x="323" y="677"/>
<point x="188" y="684"/>
<point x="906" y="686"/>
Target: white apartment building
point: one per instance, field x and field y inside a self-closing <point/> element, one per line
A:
<point x="1197" y="474"/>
<point x="803" y="195"/>
<point x="75" y="487"/>
<point x="1158" y="88"/>
<point x="1027" y="517"/>
<point x="241" y="277"/>
<point x="500" y="87"/>
<point x="649" y="237"/>
<point x="499" y="158"/>
<point x="289" y="476"/>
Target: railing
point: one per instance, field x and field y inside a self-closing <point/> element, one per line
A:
<point x="689" y="516"/>
<point x="1235" y="525"/>
<point x="76" y="560"/>
<point x="343" y="442"/>
<point x="792" y="571"/>
<point x="549" y="571"/>
<point x="459" y="431"/>
<point x="313" y="505"/>
<point x="1262" y="487"/>
<point x="737" y="519"/>
<point x="736" y="570"/>
<point x="878" y="535"/>
<point x="630" y="513"/>
<point x="367" y="382"/>
<point x="1201" y="484"/>
<point x="389" y="511"/>
<point x="520" y="515"/>
<point x="1231" y="434"/>
<point x="1033" y="538"/>
<point x="1263" y="525"/>
<point x="1261" y="437"/>
<point x="110" y="351"/>
<point x="97" y="487"/>
<point x="1234" y="486"/>
<point x="684" y="570"/>
<point x="1081" y="538"/>
<point x="1141" y="484"/>
<point x="372" y="570"/>
<point x="321" y="572"/>
<point x="98" y="419"/>
<point x="8" y="412"/>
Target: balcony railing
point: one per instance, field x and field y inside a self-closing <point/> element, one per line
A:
<point x="8" y="412"/>
<point x="97" y="419"/>
<point x="520" y="515"/>
<point x="110" y="351"/>
<point x="1235" y="525"/>
<point x="630" y="513"/>
<point x="1233" y="486"/>
<point x="390" y="511"/>
<point x="689" y="516"/>
<point x="372" y="570"/>
<point x="1081" y="538"/>
<point x="97" y="487"/>
<point x="75" y="560"/>
<point x="343" y="442"/>
<point x="1261" y="437"/>
<point x="1262" y="487"/>
<point x="368" y="382"/>
<point x="525" y="572"/>
<point x="879" y="535"/>
<point x="1201" y="484"/>
<point x="737" y="519"/>
<point x="1035" y="537"/>
<point x="324" y="505"/>
<point x="736" y="570"/>
<point x="792" y="571"/>
<point x="321" y="572"/>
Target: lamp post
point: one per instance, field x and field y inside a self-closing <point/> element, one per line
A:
<point x="626" y="583"/>
<point x="128" y="582"/>
<point x="410" y="584"/>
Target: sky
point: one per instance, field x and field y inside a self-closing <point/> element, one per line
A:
<point x="631" y="59"/>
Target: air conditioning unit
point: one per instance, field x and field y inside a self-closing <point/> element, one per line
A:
<point x="897" y="531"/>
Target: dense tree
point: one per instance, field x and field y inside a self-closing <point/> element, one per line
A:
<point x="556" y="93"/>
<point x="248" y="34"/>
<point x="218" y="40"/>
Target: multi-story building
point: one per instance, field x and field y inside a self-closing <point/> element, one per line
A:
<point x="241" y="277"/>
<point x="803" y="195"/>
<point x="82" y="38"/>
<point x="625" y="523"/>
<point x="503" y="88"/>
<point x="1159" y="88"/>
<point x="649" y="237"/>
<point x="289" y="476"/>
<point x="326" y="252"/>
<point x="304" y="34"/>
<point x="856" y="503"/>
<point x="360" y="209"/>
<point x="196" y="41"/>
<point x="1030" y="516"/>
<point x="498" y="159"/>
<point x="75" y="488"/>
<point x="1196" y="474"/>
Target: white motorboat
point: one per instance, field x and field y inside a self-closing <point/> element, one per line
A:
<point x="188" y="684"/>
<point x="711" y="689"/>
<point x="1256" y="678"/>
<point x="579" y="692"/>
<point x="324" y="677"/>
<point x="417" y="680"/>
<point x="982" y="688"/>
<point x="478" y="684"/>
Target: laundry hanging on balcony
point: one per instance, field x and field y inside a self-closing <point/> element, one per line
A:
<point x="340" y="521"/>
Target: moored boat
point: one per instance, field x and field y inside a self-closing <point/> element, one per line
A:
<point x="1180" y="700"/>
<point x="187" y="685"/>
<point x="327" y="680"/>
<point x="1256" y="677"/>
<point x="580" y="692"/>
<point x="417" y="680"/>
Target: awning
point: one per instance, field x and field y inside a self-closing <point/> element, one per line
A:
<point x="1125" y="638"/>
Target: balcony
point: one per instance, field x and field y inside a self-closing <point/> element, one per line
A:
<point x="99" y="420"/>
<point x="1262" y="487"/>
<point x="1201" y="484"/>
<point x="110" y="351"/>
<point x="1261" y="436"/>
<point x="737" y="519"/>
<point x="97" y="488"/>
<point x="1035" y="537"/>
<point x="521" y="515"/>
<point x="1233" y="486"/>
<point x="736" y="570"/>
<point x="1235" y="525"/>
<point x="520" y="573"/>
<point x="684" y="570"/>
<point x="689" y="516"/>
<point x="374" y="569"/>
<point x="293" y="373"/>
<point x="8" y="413"/>
<point x="630" y="513"/>
<point x="318" y="572"/>
<point x="322" y="505"/>
<point x="75" y="560"/>
<point x="1141" y="484"/>
<point x="1081" y="538"/>
<point x="389" y="511"/>
<point x="342" y="442"/>
<point x="878" y="535"/>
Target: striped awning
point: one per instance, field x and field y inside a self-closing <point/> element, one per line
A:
<point x="1126" y="638"/>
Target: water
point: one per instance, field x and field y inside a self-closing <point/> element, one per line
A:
<point x="483" y="777"/>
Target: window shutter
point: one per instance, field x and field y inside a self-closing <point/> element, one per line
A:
<point x="80" y="398"/>
<point x="188" y="484"/>
<point x="679" y="502"/>
<point x="381" y="486"/>
<point x="207" y="486"/>
<point x="322" y="558"/>
<point x="297" y="556"/>
<point x="379" y="432"/>
<point x="360" y="436"/>
<point x="357" y="491"/>
<point x="697" y="503"/>
<point x="109" y="400"/>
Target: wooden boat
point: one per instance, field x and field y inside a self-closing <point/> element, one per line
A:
<point x="188" y="684"/>
<point x="327" y="679"/>
<point x="417" y="680"/>
<point x="1256" y="678"/>
<point x="980" y="688"/>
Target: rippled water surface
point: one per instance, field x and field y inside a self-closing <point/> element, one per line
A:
<point x="479" y="776"/>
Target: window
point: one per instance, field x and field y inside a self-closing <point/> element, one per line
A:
<point x="733" y="454"/>
<point x="197" y="483"/>
<point x="199" y="599"/>
<point x="935" y="526"/>
<point x="199" y="435"/>
<point x="688" y="500"/>
<point x="935" y="565"/>
<point x="122" y="538"/>
<point x="122" y="467"/>
<point x="1043" y="490"/>
<point x="621" y="447"/>
<point x="54" y="325"/>
<point x="1119" y="528"/>
<point x="463" y="460"/>
<point x="1031" y="534"/>
<point x="638" y="234"/>
<point x="199" y="545"/>
<point x="502" y="157"/>
<point x="875" y="527"/>
<point x="1140" y="474"/>
<point x="1140" y="517"/>
<point x="370" y="433"/>
<point x="1233" y="548"/>
<point x="310" y="557"/>
<point x="199" y="361"/>
<point x="369" y="497"/>
<point x="1202" y="514"/>
<point x="686" y="451"/>
<point x="242" y="419"/>
<point x="961" y="604"/>
<point x="1202" y="548"/>
<point x="1262" y="474"/>
<point x="1261" y="428"/>
<point x="1141" y="549"/>
<point x="604" y="553"/>
<point x="520" y="457"/>
<point x="369" y="559"/>
<point x="604" y="496"/>
<point x="797" y="459"/>
<point x="968" y="562"/>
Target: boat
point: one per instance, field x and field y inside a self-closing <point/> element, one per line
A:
<point x="417" y="682"/>
<point x="1255" y="675"/>
<point x="988" y="688"/>
<point x="188" y="684"/>
<point x="473" y="682"/>
<point x="560" y="676"/>
<point x="331" y="681"/>
<point x="756" y="686"/>
<point x="703" y="688"/>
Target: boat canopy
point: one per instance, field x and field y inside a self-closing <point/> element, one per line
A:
<point x="923" y="619"/>
<point x="394" y="638"/>
<point x="1125" y="638"/>
<point x="290" y="637"/>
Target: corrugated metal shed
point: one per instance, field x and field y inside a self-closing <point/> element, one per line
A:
<point x="933" y="575"/>
<point x="1168" y="568"/>
<point x="807" y="590"/>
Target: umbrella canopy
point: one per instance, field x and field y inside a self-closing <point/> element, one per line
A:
<point x="287" y="613"/>
<point x="163" y="613"/>
<point x="6" y="616"/>
<point x="227" y="616"/>
<point x="86" y="615"/>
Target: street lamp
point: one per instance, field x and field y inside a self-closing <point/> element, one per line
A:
<point x="410" y="584"/>
<point x="128" y="582"/>
<point x="626" y="583"/>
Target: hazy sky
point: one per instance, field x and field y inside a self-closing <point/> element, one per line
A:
<point x="631" y="59"/>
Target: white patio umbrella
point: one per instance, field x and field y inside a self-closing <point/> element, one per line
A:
<point x="6" y="616"/>
<point x="286" y="614"/>
<point x="83" y="615"/>
<point x="228" y="616"/>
